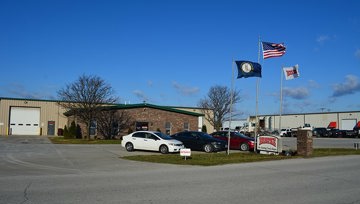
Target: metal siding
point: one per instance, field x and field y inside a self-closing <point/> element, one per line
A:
<point x="314" y="119"/>
<point x="50" y="111"/>
<point x="321" y="119"/>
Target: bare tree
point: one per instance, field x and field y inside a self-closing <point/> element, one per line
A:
<point x="216" y="105"/>
<point x="111" y="122"/>
<point x="85" y="98"/>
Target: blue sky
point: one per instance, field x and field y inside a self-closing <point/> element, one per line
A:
<point x="172" y="52"/>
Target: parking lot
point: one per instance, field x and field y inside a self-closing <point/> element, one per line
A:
<point x="37" y="155"/>
<point x="33" y="170"/>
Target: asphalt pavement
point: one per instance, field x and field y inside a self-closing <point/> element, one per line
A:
<point x="33" y="170"/>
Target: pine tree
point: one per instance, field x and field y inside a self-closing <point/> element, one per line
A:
<point x="66" y="132"/>
<point x="204" y="129"/>
<point x="72" y="130"/>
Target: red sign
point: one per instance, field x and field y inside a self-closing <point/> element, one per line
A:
<point x="267" y="140"/>
<point x="269" y="143"/>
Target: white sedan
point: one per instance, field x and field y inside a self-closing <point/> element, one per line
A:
<point x="151" y="140"/>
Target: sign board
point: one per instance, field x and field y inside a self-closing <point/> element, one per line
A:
<point x="185" y="152"/>
<point x="269" y="143"/>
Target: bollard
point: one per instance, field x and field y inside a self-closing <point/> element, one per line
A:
<point x="356" y="145"/>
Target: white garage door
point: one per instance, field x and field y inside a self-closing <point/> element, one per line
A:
<point x="25" y="121"/>
<point x="348" y="124"/>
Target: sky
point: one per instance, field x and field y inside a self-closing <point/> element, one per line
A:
<point x="171" y="52"/>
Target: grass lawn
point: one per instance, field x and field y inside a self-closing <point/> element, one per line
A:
<point x="208" y="159"/>
<point x="62" y="140"/>
<point x="221" y="158"/>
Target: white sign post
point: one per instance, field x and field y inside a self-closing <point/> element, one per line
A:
<point x="185" y="153"/>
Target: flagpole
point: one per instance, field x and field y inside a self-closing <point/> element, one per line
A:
<point x="281" y="98"/>
<point x="231" y="104"/>
<point x="257" y="101"/>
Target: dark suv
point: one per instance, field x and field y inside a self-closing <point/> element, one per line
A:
<point x="320" y="132"/>
<point x="200" y="141"/>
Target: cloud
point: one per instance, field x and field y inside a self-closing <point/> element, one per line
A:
<point x="296" y="93"/>
<point x="313" y="84"/>
<point x="150" y="83"/>
<point x="185" y="90"/>
<point x="17" y="90"/>
<point x="322" y="39"/>
<point x="357" y="53"/>
<point x="299" y="107"/>
<point x="350" y="86"/>
<point x="141" y="95"/>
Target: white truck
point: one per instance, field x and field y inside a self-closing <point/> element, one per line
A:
<point x="247" y="128"/>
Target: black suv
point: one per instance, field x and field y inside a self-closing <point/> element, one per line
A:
<point x="200" y="141"/>
<point x="320" y="132"/>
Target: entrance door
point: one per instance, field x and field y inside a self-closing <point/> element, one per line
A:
<point x="51" y="128"/>
<point x="142" y="126"/>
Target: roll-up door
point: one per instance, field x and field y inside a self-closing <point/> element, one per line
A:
<point x="24" y="121"/>
<point x="348" y="124"/>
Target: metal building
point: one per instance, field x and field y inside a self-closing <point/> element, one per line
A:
<point x="340" y="120"/>
<point x="30" y="117"/>
<point x="46" y="117"/>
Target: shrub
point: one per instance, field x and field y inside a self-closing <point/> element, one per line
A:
<point x="204" y="129"/>
<point x="66" y="132"/>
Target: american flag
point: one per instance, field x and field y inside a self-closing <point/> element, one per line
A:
<point x="273" y="49"/>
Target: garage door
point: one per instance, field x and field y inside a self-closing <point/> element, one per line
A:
<point x="24" y="121"/>
<point x="348" y="124"/>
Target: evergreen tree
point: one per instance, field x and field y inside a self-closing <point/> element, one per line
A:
<point x="204" y="129"/>
<point x="66" y="132"/>
<point x="72" y="130"/>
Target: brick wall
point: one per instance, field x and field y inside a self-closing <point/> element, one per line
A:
<point x="157" y="118"/>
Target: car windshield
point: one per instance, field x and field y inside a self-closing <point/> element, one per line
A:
<point x="163" y="136"/>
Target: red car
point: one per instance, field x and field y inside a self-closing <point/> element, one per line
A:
<point x="237" y="140"/>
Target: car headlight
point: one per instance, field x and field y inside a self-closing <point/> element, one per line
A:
<point x="172" y="144"/>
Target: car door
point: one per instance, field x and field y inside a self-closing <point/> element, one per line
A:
<point x="187" y="140"/>
<point x="197" y="141"/>
<point x="152" y="142"/>
<point x="235" y="141"/>
<point x="138" y="140"/>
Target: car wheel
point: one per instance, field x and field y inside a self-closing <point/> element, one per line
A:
<point x="164" y="149"/>
<point x="244" y="147"/>
<point x="129" y="147"/>
<point x="208" y="148"/>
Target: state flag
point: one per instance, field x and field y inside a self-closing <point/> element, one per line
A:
<point x="248" y="69"/>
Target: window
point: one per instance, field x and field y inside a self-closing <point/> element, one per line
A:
<point x="168" y="128"/>
<point x="139" y="135"/>
<point x="93" y="125"/>
<point x="186" y="126"/>
<point x="150" y="136"/>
